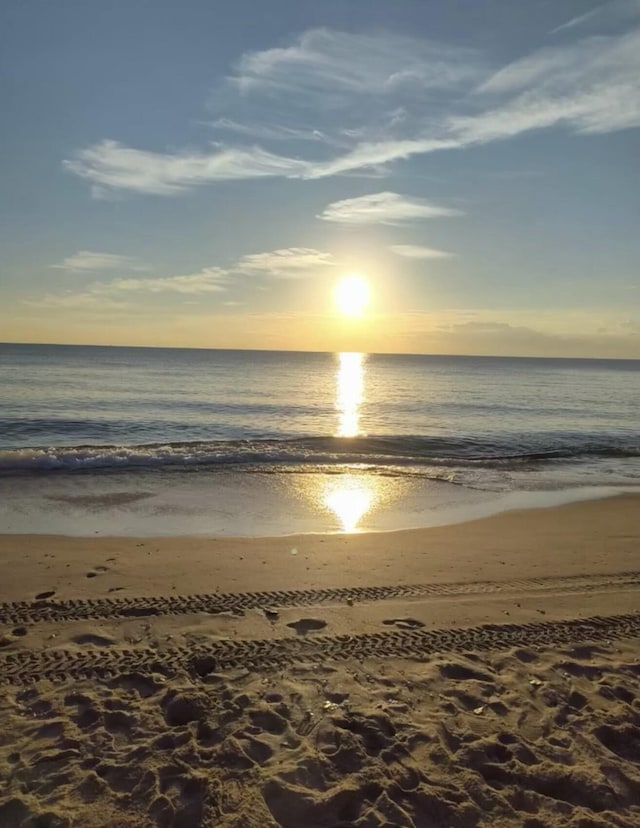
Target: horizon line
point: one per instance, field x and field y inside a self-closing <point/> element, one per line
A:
<point x="308" y="351"/>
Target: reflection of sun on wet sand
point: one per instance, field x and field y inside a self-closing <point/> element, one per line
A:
<point x="478" y="674"/>
<point x="350" y="497"/>
<point x="349" y="505"/>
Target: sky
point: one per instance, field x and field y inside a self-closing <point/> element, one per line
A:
<point x="202" y="174"/>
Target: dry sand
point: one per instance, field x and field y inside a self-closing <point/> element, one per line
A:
<point x="483" y="674"/>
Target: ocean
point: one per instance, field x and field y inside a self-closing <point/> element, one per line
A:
<point x="110" y="440"/>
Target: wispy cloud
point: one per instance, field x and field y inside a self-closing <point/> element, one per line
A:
<point x="287" y="263"/>
<point x="271" y="132"/>
<point x="90" y="260"/>
<point x="615" y="9"/>
<point x="383" y="208"/>
<point x="81" y="301"/>
<point x="341" y="64"/>
<point x="375" y="155"/>
<point x="418" y="251"/>
<point x="591" y="86"/>
<point x="208" y="280"/>
<point x="579" y="19"/>
<point x="573" y="67"/>
<point x="119" y="293"/>
<point x="112" y="166"/>
<point x="376" y="85"/>
<point x="359" y="102"/>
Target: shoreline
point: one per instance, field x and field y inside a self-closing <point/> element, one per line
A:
<point x="595" y="536"/>
<point x="234" y="505"/>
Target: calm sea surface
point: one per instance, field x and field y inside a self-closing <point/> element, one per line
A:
<point x="107" y="423"/>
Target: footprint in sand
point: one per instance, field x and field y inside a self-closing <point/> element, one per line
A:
<point x="91" y="638"/>
<point x="42" y="596"/>
<point x="97" y="570"/>
<point x="404" y="623"/>
<point x="306" y="625"/>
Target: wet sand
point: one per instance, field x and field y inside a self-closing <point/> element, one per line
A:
<point x="478" y="674"/>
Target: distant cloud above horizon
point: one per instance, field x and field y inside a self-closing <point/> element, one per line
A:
<point x="207" y="280"/>
<point x="283" y="264"/>
<point x="89" y="260"/>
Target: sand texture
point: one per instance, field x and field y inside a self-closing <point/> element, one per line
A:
<point x="484" y="674"/>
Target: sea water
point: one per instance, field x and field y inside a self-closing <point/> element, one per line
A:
<point x="145" y="441"/>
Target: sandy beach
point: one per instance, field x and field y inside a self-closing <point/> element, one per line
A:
<point x="482" y="674"/>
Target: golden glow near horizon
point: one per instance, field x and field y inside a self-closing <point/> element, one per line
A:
<point x="349" y="393"/>
<point x="352" y="295"/>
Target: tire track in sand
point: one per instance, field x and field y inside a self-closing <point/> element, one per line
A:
<point x="29" y="612"/>
<point x="60" y="665"/>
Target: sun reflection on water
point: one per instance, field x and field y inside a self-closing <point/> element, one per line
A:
<point x="350" y="500"/>
<point x="349" y="393"/>
<point x="349" y="496"/>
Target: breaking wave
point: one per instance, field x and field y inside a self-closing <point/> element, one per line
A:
<point x="512" y="452"/>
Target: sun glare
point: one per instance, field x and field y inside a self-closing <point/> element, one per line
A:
<point x="349" y="505"/>
<point x="352" y="295"/>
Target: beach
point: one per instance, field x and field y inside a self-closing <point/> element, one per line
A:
<point x="483" y="673"/>
<point x="319" y="415"/>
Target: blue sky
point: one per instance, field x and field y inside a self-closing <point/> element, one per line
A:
<point x="201" y="174"/>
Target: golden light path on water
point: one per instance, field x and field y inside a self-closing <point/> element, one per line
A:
<point x="350" y="496"/>
<point x="349" y="393"/>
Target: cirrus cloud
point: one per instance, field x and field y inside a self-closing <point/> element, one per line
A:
<point x="110" y="165"/>
<point x="418" y="251"/>
<point x="90" y="260"/>
<point x="286" y="263"/>
<point x="207" y="280"/>
<point x="383" y="208"/>
<point x="340" y="66"/>
<point x="368" y="100"/>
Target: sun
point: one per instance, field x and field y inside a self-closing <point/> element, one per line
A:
<point x="352" y="295"/>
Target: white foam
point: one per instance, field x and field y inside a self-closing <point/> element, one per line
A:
<point x="252" y="504"/>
